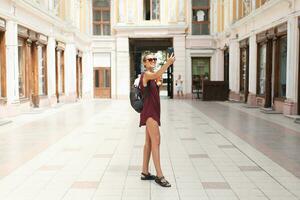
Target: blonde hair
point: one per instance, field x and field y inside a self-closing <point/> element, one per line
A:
<point x="146" y="54"/>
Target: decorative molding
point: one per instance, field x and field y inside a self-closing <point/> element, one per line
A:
<point x="23" y="32"/>
<point x="42" y="39"/>
<point x="2" y="24"/>
<point x="60" y="46"/>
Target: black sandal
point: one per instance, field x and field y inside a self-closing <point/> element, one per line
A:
<point x="162" y="181"/>
<point x="147" y="176"/>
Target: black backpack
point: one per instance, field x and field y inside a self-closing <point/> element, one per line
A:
<point x="136" y="98"/>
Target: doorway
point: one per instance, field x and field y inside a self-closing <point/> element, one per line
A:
<point x="102" y="82"/>
<point x="200" y="72"/>
<point x="226" y="65"/>
<point x="138" y="47"/>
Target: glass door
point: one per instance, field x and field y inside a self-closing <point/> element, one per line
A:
<point x="102" y="82"/>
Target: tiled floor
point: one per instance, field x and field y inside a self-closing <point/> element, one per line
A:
<point x="93" y="150"/>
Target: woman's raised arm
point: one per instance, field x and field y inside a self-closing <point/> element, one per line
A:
<point x="155" y="75"/>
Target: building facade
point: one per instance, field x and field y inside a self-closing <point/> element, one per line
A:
<point x="55" y="51"/>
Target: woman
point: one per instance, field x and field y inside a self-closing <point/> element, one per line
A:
<point x="150" y="117"/>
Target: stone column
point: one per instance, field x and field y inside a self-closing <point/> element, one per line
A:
<point x="12" y="69"/>
<point x="87" y="74"/>
<point x="70" y="72"/>
<point x="290" y="106"/>
<point x="217" y="66"/>
<point x="122" y="16"/>
<point x="122" y="67"/>
<point x="51" y="73"/>
<point x="113" y="60"/>
<point x="252" y="69"/>
<point x="188" y="74"/>
<point x="181" y="10"/>
<point x="234" y="57"/>
<point x="131" y="6"/>
<point x="172" y="11"/>
<point x="179" y="65"/>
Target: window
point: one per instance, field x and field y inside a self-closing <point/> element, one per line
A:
<point x="200" y="18"/>
<point x="281" y="84"/>
<point x="200" y="72"/>
<point x="21" y="66"/>
<point x="259" y="3"/>
<point x="151" y="9"/>
<point x="244" y="8"/>
<point x="97" y="84"/>
<point x="101" y="17"/>
<point x="262" y="68"/>
<point x="42" y="70"/>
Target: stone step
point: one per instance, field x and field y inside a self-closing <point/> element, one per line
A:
<point x="269" y="111"/>
<point x="250" y="106"/>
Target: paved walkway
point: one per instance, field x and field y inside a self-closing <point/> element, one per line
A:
<point x="93" y="150"/>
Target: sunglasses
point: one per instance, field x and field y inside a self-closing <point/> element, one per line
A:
<point x="152" y="59"/>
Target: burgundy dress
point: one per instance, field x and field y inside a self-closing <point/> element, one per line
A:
<point x="151" y="106"/>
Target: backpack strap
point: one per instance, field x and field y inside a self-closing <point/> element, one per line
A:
<point x="146" y="91"/>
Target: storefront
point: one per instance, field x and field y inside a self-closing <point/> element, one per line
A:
<point x="200" y="72"/>
<point x="244" y="70"/>
<point x="2" y="62"/>
<point x="271" y="67"/>
<point x="60" y="71"/>
<point x="32" y="67"/>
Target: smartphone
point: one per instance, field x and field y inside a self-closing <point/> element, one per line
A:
<point x="170" y="50"/>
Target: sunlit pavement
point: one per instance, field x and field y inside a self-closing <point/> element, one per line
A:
<point x="93" y="150"/>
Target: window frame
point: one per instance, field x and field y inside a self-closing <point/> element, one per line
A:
<point x="23" y="67"/>
<point x="101" y="22"/>
<point x="151" y="11"/>
<point x="279" y="35"/>
<point x="60" y="71"/>
<point x="258" y="89"/>
<point x="200" y="80"/>
<point x="201" y="22"/>
<point x="44" y="68"/>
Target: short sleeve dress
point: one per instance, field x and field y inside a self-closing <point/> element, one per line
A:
<point x="151" y="107"/>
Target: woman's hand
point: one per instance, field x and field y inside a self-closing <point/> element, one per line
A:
<point x="171" y="59"/>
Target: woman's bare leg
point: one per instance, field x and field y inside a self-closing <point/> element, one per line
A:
<point x="153" y="129"/>
<point x="147" y="152"/>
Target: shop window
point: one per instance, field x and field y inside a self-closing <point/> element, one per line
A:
<point x="151" y="9"/>
<point x="22" y="68"/>
<point x="262" y="61"/>
<point x="200" y="72"/>
<point x="200" y="18"/>
<point x="243" y="69"/>
<point x="281" y="83"/>
<point x="60" y="72"/>
<point x="101" y="17"/>
<point x="42" y="70"/>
